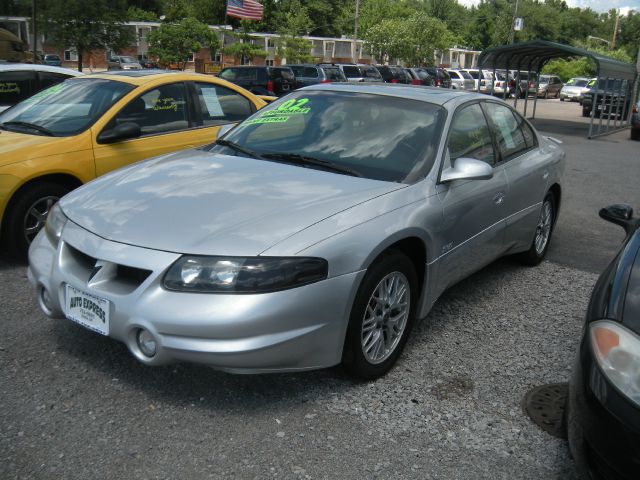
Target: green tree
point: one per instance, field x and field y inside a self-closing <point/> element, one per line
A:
<point x="137" y="14"/>
<point x="174" y="42"/>
<point x="86" y="26"/>
<point x="414" y="39"/>
<point x="244" y="47"/>
<point x="294" y="22"/>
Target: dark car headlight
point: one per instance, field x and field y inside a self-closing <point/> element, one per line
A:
<point x="617" y="351"/>
<point x="192" y="273"/>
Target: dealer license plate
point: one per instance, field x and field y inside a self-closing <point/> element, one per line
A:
<point x="88" y="310"/>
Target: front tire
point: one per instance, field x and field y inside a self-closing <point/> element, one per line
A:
<point x="27" y="214"/>
<point x="542" y="236"/>
<point x="381" y="317"/>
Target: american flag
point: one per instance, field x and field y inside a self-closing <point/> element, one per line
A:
<point x="248" y="9"/>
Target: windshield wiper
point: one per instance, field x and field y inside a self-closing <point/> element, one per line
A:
<point x="312" y="161"/>
<point x="32" y="126"/>
<point x="238" y="148"/>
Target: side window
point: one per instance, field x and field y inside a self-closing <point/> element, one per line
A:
<point x="310" y="72"/>
<point x="220" y="105"/>
<point x="470" y="136"/>
<point x="527" y="131"/>
<point x="16" y="86"/>
<point x="49" y="78"/>
<point x="160" y="110"/>
<point x="229" y="74"/>
<point x="511" y="141"/>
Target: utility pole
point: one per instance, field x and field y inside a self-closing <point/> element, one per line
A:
<point x="615" y="31"/>
<point x="34" y="28"/>
<point x="512" y="34"/>
<point x="354" y="53"/>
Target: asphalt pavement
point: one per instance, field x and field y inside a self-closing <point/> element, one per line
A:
<point x="76" y="405"/>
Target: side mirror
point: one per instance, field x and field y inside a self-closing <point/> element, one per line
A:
<point x="124" y="131"/>
<point x="224" y="129"/>
<point x="467" y="169"/>
<point x="620" y="214"/>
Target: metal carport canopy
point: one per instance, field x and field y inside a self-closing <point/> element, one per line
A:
<point x="534" y="54"/>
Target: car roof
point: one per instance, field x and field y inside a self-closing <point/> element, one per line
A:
<point x="438" y="96"/>
<point x="140" y="77"/>
<point x="30" y="67"/>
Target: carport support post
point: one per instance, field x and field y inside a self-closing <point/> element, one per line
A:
<point x="613" y="92"/>
<point x="493" y="80"/>
<point x="593" y="105"/>
<point x="604" y="99"/>
<point x="535" y="100"/>
<point x="526" y="97"/>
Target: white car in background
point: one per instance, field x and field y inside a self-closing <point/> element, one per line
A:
<point x="19" y="81"/>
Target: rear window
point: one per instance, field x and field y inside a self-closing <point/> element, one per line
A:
<point x="334" y="74"/>
<point x="310" y="72"/>
<point x="351" y="71"/>
<point x="298" y="70"/>
<point x="285" y="73"/>
<point x="473" y="75"/>
<point x="465" y="75"/>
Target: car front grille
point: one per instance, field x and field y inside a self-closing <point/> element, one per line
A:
<point x="101" y="274"/>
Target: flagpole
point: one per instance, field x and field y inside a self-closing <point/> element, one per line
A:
<point x="224" y="30"/>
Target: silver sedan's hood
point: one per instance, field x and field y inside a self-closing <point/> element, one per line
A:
<point x="202" y="203"/>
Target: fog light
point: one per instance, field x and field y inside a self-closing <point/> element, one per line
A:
<point x="146" y="343"/>
<point x="45" y="301"/>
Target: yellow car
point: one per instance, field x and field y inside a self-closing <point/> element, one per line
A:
<point x="84" y="127"/>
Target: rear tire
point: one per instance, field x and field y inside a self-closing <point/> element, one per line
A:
<point x="542" y="235"/>
<point x="585" y="112"/>
<point x="26" y="215"/>
<point x="635" y="134"/>
<point x="381" y="317"/>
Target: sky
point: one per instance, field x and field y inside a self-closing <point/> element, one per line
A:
<point x="597" y="5"/>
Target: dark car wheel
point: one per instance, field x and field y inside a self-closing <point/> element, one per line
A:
<point x="635" y="134"/>
<point x="586" y="112"/>
<point x="381" y="318"/>
<point x="542" y="236"/>
<point x="27" y="214"/>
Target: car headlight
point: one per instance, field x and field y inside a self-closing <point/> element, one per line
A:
<point x="617" y="351"/>
<point x="56" y="220"/>
<point x="192" y="273"/>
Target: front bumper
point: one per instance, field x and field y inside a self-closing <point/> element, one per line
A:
<point x="603" y="426"/>
<point x="297" y="329"/>
<point x="571" y="96"/>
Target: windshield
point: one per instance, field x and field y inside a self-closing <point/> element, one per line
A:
<point x="67" y="108"/>
<point x="379" y="137"/>
<point x="577" y="82"/>
<point x="128" y="60"/>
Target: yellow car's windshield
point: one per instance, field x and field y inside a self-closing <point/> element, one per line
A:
<point x="64" y="109"/>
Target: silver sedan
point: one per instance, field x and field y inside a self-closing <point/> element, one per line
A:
<point x="314" y="233"/>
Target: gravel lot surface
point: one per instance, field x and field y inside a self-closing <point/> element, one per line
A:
<point x="77" y="405"/>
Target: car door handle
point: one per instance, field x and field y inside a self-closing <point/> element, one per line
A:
<point x="545" y="175"/>
<point x="498" y="198"/>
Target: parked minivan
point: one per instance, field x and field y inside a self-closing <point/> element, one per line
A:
<point x="360" y="73"/>
<point x="309" y="74"/>
<point x="260" y="79"/>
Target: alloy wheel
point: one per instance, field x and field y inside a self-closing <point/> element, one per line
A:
<point x="543" y="230"/>
<point x="36" y="216"/>
<point x="385" y="317"/>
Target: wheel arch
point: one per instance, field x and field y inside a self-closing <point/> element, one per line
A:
<point x="410" y="244"/>
<point x="65" y="179"/>
<point x="556" y="190"/>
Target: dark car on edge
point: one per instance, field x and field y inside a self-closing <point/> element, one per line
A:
<point x="441" y="77"/>
<point x="261" y="80"/>
<point x="603" y="414"/>
<point x="310" y="74"/>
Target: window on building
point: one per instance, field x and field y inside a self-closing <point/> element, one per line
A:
<point x="271" y="43"/>
<point x="245" y="60"/>
<point x="269" y="63"/>
<point x="71" y="55"/>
